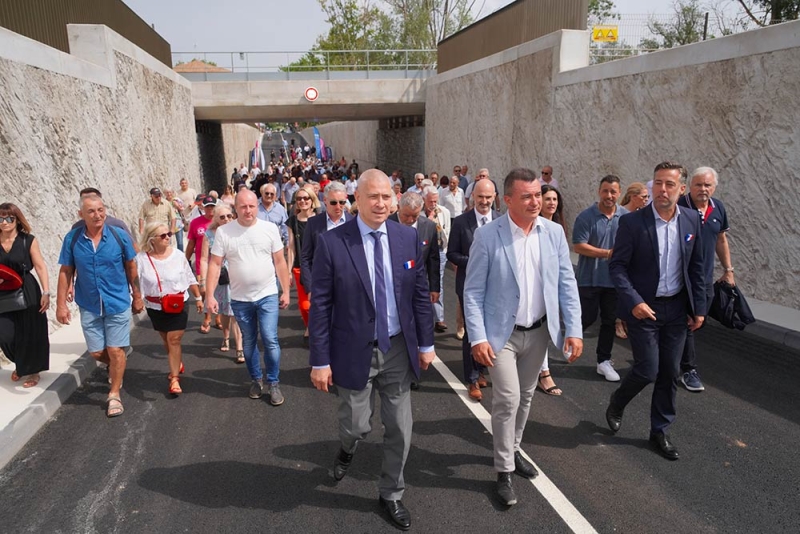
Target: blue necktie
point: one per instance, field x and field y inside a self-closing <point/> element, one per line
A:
<point x="381" y="309"/>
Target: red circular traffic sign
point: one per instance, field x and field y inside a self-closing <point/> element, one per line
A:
<point x="311" y="94"/>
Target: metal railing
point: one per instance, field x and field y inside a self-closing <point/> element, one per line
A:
<point x="636" y="36"/>
<point x="321" y="64"/>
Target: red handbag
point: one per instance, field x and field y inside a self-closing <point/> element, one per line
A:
<point x="170" y="303"/>
<point x="9" y="279"/>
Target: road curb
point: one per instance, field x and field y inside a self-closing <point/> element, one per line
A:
<point x="19" y="431"/>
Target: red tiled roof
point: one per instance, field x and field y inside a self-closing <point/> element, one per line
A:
<point x="196" y="65"/>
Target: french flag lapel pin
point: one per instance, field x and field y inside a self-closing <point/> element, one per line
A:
<point x="689" y="237"/>
<point x="424" y="243"/>
<point x="409" y="265"/>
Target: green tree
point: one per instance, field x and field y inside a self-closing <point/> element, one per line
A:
<point x="423" y="23"/>
<point x="685" y="26"/>
<point x="765" y="12"/>
<point x="601" y="10"/>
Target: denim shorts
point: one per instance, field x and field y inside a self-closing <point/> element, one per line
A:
<point x="101" y="331"/>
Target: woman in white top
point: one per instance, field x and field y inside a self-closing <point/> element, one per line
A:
<point x="223" y="214"/>
<point x="163" y="270"/>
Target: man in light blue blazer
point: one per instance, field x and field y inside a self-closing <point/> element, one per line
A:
<point x="519" y="279"/>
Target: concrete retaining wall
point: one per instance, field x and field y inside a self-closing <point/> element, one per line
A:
<point x="108" y="116"/>
<point x="221" y="148"/>
<point x="357" y="140"/>
<point x="729" y="103"/>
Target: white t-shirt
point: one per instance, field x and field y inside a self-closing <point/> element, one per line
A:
<point x="174" y="272"/>
<point x="249" y="250"/>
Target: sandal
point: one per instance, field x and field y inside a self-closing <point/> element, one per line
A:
<point x="14" y="376"/>
<point x="553" y="390"/>
<point x="115" y="408"/>
<point x="174" y="385"/>
<point x="225" y="345"/>
<point x="620" y="330"/>
<point x="182" y="369"/>
<point x="205" y="328"/>
<point x="32" y="381"/>
<point x="239" y="356"/>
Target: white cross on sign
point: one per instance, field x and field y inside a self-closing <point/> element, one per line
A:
<point x="605" y="34"/>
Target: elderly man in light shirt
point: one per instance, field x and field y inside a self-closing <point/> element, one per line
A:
<point x="442" y="217"/>
<point x="452" y="198"/>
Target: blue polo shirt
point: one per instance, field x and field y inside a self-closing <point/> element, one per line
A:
<point x="715" y="222"/>
<point x="101" y="286"/>
<point x="594" y="228"/>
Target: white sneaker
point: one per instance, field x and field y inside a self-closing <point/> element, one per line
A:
<point x="606" y="369"/>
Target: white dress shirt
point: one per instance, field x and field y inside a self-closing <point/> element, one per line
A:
<point x="331" y="224"/>
<point x="453" y="201"/>
<point x="531" y="286"/>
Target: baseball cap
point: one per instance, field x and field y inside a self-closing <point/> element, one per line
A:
<point x="209" y="201"/>
<point x="155" y="191"/>
<point x="199" y="198"/>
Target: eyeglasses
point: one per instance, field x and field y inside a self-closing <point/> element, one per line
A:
<point x="224" y="217"/>
<point x="340" y="202"/>
<point x="546" y="173"/>
<point x="165" y="236"/>
<point x="9" y="219"/>
<point x="269" y="194"/>
<point x="302" y="199"/>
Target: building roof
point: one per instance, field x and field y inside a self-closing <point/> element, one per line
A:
<point x="197" y="65"/>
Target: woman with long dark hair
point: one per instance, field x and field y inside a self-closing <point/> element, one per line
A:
<point x="23" y="333"/>
<point x="552" y="210"/>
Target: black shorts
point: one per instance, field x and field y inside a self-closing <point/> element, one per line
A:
<point x="168" y="322"/>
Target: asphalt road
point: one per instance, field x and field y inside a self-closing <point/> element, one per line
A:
<point x="214" y="460"/>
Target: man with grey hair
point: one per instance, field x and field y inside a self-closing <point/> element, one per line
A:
<point x="714" y="240"/>
<point x="272" y="211"/>
<point x="417" y="187"/>
<point x="440" y="216"/>
<point x="104" y="258"/>
<point x="335" y="214"/>
<point x="408" y="213"/>
<point x="483" y="174"/>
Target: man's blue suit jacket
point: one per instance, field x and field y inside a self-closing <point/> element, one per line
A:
<point x="634" y="265"/>
<point x="491" y="291"/>
<point x="342" y="319"/>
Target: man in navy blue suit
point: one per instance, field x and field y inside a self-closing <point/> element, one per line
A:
<point x="368" y="274"/>
<point x="657" y="269"/>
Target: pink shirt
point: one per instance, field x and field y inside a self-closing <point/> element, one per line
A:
<point x="197" y="229"/>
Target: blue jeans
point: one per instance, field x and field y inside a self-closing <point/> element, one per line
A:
<point x="261" y="315"/>
<point x="438" y="306"/>
<point x="179" y="239"/>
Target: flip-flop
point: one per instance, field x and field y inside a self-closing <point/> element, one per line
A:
<point x="115" y="408"/>
<point x="205" y="328"/>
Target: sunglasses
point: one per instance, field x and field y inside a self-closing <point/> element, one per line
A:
<point x="224" y="217"/>
<point x="547" y="173"/>
<point x="303" y="199"/>
<point x="165" y="236"/>
<point x="269" y="194"/>
<point x="9" y="219"/>
<point x="340" y="202"/>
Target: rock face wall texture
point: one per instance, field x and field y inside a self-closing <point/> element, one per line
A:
<point x="59" y="134"/>
<point x="403" y="149"/>
<point x="738" y="116"/>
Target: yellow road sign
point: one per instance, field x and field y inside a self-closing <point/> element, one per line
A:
<point x="605" y="34"/>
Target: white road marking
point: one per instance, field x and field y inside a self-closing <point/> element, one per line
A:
<point x="565" y="509"/>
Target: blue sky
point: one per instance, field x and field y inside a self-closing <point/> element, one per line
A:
<point x="271" y="25"/>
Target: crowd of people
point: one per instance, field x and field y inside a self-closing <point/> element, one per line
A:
<point x="366" y="255"/>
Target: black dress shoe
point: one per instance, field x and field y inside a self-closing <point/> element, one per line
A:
<point x="341" y="464"/>
<point x="613" y="418"/>
<point x="664" y="446"/>
<point x="399" y="514"/>
<point x="504" y="490"/>
<point x="523" y="467"/>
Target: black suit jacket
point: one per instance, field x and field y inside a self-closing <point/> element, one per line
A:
<point x="316" y="225"/>
<point x="634" y="265"/>
<point x="428" y="239"/>
<point x="459" y="243"/>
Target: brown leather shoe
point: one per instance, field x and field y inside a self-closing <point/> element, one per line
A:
<point x="482" y="382"/>
<point x="440" y="327"/>
<point x="475" y="392"/>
